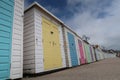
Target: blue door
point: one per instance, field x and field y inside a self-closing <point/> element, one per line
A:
<point x="6" y="23"/>
<point x="72" y="47"/>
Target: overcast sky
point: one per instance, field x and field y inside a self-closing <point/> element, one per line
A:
<point x="98" y="19"/>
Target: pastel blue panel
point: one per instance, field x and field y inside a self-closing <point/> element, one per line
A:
<point x="4" y="59"/>
<point x="6" y="52"/>
<point x="4" y="46"/>
<point x="6" y="5"/>
<point x="5" y="12"/>
<point x="6" y="17"/>
<point x="4" y="74"/>
<point x="9" y="2"/>
<point x="4" y="34"/>
<point x="4" y="66"/>
<point x="4" y="40"/>
<point x="6" y="23"/>
<point x="72" y="47"/>
<point x="4" y="28"/>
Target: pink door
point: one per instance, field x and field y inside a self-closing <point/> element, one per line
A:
<point x="82" y="56"/>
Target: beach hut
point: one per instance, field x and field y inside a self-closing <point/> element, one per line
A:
<point x="72" y="57"/>
<point x="81" y="51"/>
<point x="99" y="53"/>
<point x="93" y="52"/>
<point x="43" y="41"/>
<point x="11" y="39"/>
<point x="87" y="52"/>
<point x="92" y="56"/>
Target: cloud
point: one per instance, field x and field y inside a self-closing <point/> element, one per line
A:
<point x="93" y="6"/>
<point x="98" y="19"/>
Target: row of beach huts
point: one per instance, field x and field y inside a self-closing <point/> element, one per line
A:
<point x="35" y="41"/>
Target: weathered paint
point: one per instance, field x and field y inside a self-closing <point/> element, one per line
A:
<point x="29" y="43"/>
<point x="72" y="47"/>
<point x="82" y="54"/>
<point x="6" y="25"/>
<point x="17" y="41"/>
<point x="51" y="45"/>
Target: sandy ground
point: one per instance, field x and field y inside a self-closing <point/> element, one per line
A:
<point x="108" y="69"/>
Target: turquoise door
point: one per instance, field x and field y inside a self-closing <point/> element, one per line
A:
<point x="6" y="22"/>
<point x="73" y="52"/>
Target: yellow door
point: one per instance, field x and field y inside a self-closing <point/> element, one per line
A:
<point x="51" y="45"/>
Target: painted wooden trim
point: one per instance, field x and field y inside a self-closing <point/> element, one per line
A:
<point x="17" y="41"/>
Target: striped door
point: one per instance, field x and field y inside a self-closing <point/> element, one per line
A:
<point x="72" y="47"/>
<point x="6" y="22"/>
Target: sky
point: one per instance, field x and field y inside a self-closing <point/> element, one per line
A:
<point x="97" y="19"/>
